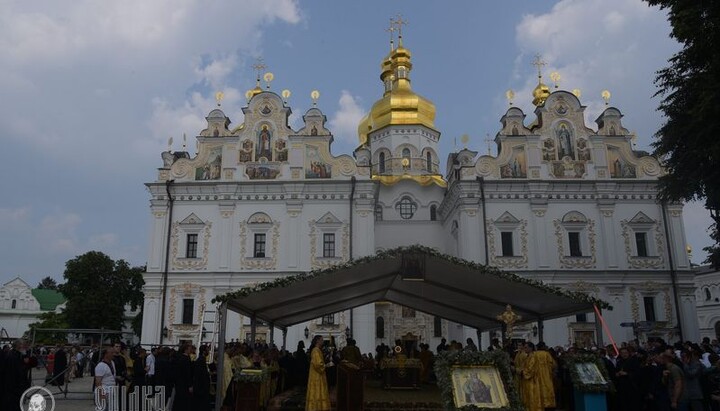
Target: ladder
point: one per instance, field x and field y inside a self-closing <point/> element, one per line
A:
<point x="213" y="318"/>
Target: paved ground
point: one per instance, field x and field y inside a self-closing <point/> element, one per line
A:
<point x="79" y="398"/>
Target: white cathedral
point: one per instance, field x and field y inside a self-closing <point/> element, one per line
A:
<point x="567" y="204"/>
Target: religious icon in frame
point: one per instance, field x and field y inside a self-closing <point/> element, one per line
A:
<point x="480" y="386"/>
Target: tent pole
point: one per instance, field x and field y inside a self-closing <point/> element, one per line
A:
<point x="479" y="337"/>
<point x="541" y="329"/>
<point x="272" y="333"/>
<point x="284" y="331"/>
<point x="219" y="394"/>
<point x="253" y="330"/>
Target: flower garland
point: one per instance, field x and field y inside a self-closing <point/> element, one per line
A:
<point x="282" y="282"/>
<point x="570" y="362"/>
<point x="499" y="359"/>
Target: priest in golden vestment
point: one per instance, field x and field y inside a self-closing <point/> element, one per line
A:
<point x="530" y="382"/>
<point x="318" y="396"/>
<point x="546" y="370"/>
<point x="519" y="362"/>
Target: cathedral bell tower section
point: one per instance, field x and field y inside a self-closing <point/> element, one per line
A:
<point x="398" y="138"/>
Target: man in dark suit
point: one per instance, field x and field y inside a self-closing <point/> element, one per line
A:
<point x="61" y="363"/>
<point x="201" y="381"/>
<point x="183" y="379"/>
<point x="14" y="376"/>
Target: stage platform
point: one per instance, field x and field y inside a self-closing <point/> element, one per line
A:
<point x="427" y="398"/>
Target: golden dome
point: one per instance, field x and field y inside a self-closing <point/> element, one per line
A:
<point x="399" y="104"/>
<point x="540" y="93"/>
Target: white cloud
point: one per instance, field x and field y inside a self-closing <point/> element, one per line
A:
<point x="627" y="44"/>
<point x="344" y="123"/>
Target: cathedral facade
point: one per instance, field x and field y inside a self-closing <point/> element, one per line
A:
<point x="566" y="203"/>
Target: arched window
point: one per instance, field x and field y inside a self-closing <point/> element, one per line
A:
<point x="433" y="212"/>
<point x="14" y="304"/>
<point x="428" y="162"/>
<point x="379" y="327"/>
<point x="406" y="153"/>
<point x="708" y="296"/>
<point x="382" y="163"/>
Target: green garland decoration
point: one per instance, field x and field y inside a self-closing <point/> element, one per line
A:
<point x="569" y="362"/>
<point x="446" y="360"/>
<point x="255" y="377"/>
<point x="286" y="281"/>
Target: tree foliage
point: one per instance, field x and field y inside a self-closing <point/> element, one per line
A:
<point x="49" y="319"/>
<point x="97" y="290"/>
<point x="48" y="283"/>
<point x="689" y="140"/>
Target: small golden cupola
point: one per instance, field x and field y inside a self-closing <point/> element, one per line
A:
<point x="399" y="105"/>
<point x="541" y="91"/>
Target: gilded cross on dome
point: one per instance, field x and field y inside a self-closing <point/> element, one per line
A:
<point x="259" y="67"/>
<point x="399" y="22"/>
<point x="391" y="30"/>
<point x="509" y="318"/>
<point x="539" y="63"/>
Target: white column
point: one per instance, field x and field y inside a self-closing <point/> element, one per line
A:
<point x="225" y="240"/>
<point x="539" y="223"/>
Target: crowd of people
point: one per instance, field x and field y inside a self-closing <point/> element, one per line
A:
<point x="653" y="376"/>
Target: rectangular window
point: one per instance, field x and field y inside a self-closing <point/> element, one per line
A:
<point x="581" y="318"/>
<point x="329" y="245"/>
<point x="191" y="248"/>
<point x="574" y="239"/>
<point x="188" y="310"/>
<point x="507" y="243"/>
<point x="641" y="244"/>
<point x="328" y="319"/>
<point x="259" y="250"/>
<point x="649" y="303"/>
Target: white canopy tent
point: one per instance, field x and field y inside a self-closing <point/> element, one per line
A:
<point x="416" y="277"/>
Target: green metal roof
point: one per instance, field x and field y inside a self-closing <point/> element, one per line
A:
<point x="48" y="299"/>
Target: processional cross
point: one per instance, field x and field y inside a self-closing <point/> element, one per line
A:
<point x="509" y="318"/>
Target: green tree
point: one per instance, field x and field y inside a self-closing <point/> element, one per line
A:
<point x="689" y="140"/>
<point x="97" y="290"/>
<point x="48" y="283"/>
<point x="49" y="319"/>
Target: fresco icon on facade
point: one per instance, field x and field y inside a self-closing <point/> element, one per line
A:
<point x="211" y="169"/>
<point x="264" y="146"/>
<point x="315" y="166"/>
<point x="619" y="168"/>
<point x="517" y="167"/>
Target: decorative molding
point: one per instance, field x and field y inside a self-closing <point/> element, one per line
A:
<point x="273" y="229"/>
<point x="539" y="212"/>
<point x="652" y="288"/>
<point x="656" y="262"/>
<point x="159" y="214"/>
<point x="321" y="262"/>
<point x="185" y="290"/>
<point x="575" y="262"/>
<point x="515" y="261"/>
<point x="179" y="263"/>
<point x="607" y="213"/>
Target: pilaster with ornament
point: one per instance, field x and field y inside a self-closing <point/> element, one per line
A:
<point x="226" y="212"/>
<point x="607" y="228"/>
<point x="540" y="224"/>
<point x="267" y="263"/>
<point x="576" y="262"/>
<point x="657" y="261"/>
<point x="190" y="263"/>
<point x="520" y="261"/>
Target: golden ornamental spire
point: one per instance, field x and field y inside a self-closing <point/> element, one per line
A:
<point x="542" y="91"/>
<point x="399" y="104"/>
<point x="259" y="68"/>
